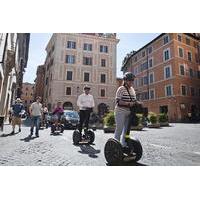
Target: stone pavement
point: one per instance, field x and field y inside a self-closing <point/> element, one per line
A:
<point x="169" y="146"/>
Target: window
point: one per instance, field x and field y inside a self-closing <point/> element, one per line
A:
<point x="151" y="95"/>
<point x="187" y="41"/>
<point x="68" y="91"/>
<point x="192" y="91"/>
<point x="103" y="93"/>
<point x="103" y="78"/>
<point x="198" y="74"/>
<point x="151" y="78"/>
<point x="190" y="56"/>
<point x="182" y="70"/>
<point x="70" y="59"/>
<point x="166" y="39"/>
<point x="87" y="47"/>
<point x="26" y="93"/>
<point x="150" y="50"/>
<point x="183" y="90"/>
<point x="150" y="62"/>
<point x="197" y="58"/>
<point x="87" y="60"/>
<point x="86" y="77"/>
<point x="25" y="101"/>
<point x="103" y="62"/>
<point x="145" y="80"/>
<point x="191" y="72"/>
<point x="179" y="38"/>
<point x="26" y="88"/>
<point x="135" y="59"/>
<point x="167" y="72"/>
<point x="69" y="75"/>
<point x="71" y="45"/>
<point x="180" y="52"/>
<point x="103" y="49"/>
<point x="143" y="54"/>
<point x="47" y="80"/>
<point x="168" y="90"/>
<point x="199" y="92"/>
<point x="166" y="54"/>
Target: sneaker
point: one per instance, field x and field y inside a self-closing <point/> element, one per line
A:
<point x="19" y="129"/>
<point x="36" y="135"/>
<point x="13" y="132"/>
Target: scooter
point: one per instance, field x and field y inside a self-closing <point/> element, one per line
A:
<point x="116" y="154"/>
<point x="87" y="138"/>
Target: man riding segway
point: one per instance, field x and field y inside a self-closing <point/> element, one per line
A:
<point x="85" y="103"/>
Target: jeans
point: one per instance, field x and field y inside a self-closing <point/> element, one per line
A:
<point x="35" y="121"/>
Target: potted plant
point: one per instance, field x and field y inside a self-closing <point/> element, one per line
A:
<point x="137" y="122"/>
<point x="153" y="120"/>
<point x="109" y="122"/>
<point x="163" y="119"/>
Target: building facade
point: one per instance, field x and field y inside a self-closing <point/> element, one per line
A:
<point x="27" y="95"/>
<point x="39" y="81"/>
<point x="13" y="60"/>
<point x="168" y="74"/>
<point x="76" y="59"/>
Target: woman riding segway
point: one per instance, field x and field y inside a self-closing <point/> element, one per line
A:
<point x="57" y="118"/>
<point x="122" y="146"/>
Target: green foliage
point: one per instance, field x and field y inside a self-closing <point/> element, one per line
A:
<point x="109" y="119"/>
<point x="162" y="117"/>
<point x="152" y="117"/>
<point x="138" y="119"/>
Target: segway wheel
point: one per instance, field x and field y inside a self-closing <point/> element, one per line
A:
<point x="113" y="152"/>
<point x="137" y="148"/>
<point x="52" y="129"/>
<point x="76" y="137"/>
<point x="61" y="128"/>
<point x="91" y="136"/>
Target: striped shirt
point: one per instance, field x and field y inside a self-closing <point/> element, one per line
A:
<point x="122" y="94"/>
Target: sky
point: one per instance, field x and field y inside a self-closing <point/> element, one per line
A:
<point x="38" y="42"/>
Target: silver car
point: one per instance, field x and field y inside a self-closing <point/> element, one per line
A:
<point x="71" y="119"/>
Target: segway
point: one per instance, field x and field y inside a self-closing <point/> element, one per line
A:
<point x="57" y="126"/>
<point x="87" y="138"/>
<point x="116" y="154"/>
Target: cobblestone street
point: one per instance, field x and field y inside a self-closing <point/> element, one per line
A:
<point x="175" y="145"/>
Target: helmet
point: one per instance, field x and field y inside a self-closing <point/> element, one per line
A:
<point x="86" y="87"/>
<point x="128" y="76"/>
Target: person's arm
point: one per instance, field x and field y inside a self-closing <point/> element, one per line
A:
<point x="93" y="102"/>
<point x="30" y="109"/>
<point x="79" y="101"/>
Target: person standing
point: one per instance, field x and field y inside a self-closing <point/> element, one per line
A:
<point x="86" y="104"/>
<point x="35" y="111"/>
<point x="16" y="117"/>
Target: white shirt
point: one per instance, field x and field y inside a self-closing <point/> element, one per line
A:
<point x="85" y="101"/>
<point x="36" y="109"/>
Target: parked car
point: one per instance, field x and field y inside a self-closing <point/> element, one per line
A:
<point x="71" y="119"/>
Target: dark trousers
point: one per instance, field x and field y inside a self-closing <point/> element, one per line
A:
<point x="84" y="118"/>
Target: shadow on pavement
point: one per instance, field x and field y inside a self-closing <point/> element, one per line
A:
<point x="28" y="138"/>
<point x="10" y="134"/>
<point x="131" y="163"/>
<point x="87" y="149"/>
<point x="57" y="134"/>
